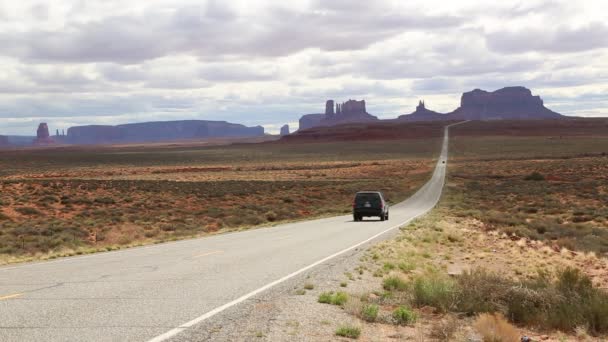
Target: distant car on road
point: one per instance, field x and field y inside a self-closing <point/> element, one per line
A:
<point x="369" y="203"/>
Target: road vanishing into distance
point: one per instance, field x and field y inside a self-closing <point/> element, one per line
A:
<point x="154" y="293"/>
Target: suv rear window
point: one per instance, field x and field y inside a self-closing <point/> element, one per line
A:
<point x="372" y="198"/>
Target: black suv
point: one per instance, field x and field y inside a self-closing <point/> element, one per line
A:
<point x="369" y="203"/>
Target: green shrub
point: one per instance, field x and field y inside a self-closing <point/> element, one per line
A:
<point x="338" y="298"/>
<point x="528" y="305"/>
<point x="370" y="312"/>
<point x="325" y="297"/>
<point x="394" y="283"/>
<point x="435" y="290"/>
<point x="579" y="303"/>
<point x="29" y="211"/>
<point x="271" y="216"/>
<point x="105" y="200"/>
<point x="48" y="199"/>
<point x="406" y="267"/>
<point x="597" y="313"/>
<point x="349" y="331"/>
<point x="480" y="291"/>
<point x="568" y="302"/>
<point x="534" y="176"/>
<point x="388" y="266"/>
<point x="404" y="315"/>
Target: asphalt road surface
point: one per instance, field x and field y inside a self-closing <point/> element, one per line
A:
<point x="154" y="293"/>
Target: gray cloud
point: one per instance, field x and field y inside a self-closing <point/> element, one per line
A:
<point x="563" y="39"/>
<point x="90" y="106"/>
<point x="119" y="73"/>
<point x="211" y="31"/>
<point x="236" y="72"/>
<point x="116" y="39"/>
<point x="405" y="64"/>
<point x="436" y="85"/>
<point x="57" y="77"/>
<point x="344" y="92"/>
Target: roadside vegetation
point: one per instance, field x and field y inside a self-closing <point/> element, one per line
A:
<point x="517" y="247"/>
<point x="444" y="278"/>
<point x="62" y="204"/>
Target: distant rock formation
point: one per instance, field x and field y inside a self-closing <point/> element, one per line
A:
<point x="285" y="130"/>
<point x="4" y="142"/>
<point x="329" y="108"/>
<point x="310" y="120"/>
<point x="351" y="111"/>
<point x="159" y="131"/>
<point x="422" y="114"/>
<point x="510" y="103"/>
<point x="42" y="135"/>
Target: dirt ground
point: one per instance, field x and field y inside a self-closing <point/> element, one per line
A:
<point x="60" y="201"/>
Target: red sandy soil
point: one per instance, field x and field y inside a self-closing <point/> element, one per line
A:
<point x="391" y="130"/>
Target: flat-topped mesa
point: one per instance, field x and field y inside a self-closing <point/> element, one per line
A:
<point x="4" y="141"/>
<point x="42" y="135"/>
<point x="506" y="103"/>
<point x="159" y="131"/>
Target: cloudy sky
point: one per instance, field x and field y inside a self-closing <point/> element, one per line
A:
<point x="111" y="62"/>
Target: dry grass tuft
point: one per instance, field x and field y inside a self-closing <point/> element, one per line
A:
<point x="495" y="328"/>
<point x="445" y="329"/>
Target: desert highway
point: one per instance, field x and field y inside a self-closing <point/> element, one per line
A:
<point x="156" y="292"/>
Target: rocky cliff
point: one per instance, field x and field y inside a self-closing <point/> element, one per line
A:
<point x="159" y="131"/>
<point x="511" y="103"/>
<point x="284" y="130"/>
<point x="422" y="114"/>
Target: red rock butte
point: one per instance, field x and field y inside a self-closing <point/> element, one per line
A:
<point x="42" y="135"/>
